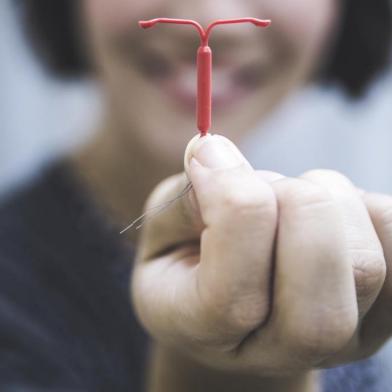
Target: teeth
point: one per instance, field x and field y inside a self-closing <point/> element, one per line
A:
<point x="180" y="81"/>
<point x="186" y="81"/>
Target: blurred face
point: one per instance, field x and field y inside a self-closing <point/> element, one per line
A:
<point x="149" y="76"/>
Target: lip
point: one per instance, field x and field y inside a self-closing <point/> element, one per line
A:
<point x="232" y="82"/>
<point x="182" y="88"/>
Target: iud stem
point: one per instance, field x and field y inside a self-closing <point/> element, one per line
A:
<point x="204" y="63"/>
<point x="204" y="89"/>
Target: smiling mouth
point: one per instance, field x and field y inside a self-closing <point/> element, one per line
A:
<point x="232" y="81"/>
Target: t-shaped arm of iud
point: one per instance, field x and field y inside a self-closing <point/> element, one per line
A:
<point x="204" y="63"/>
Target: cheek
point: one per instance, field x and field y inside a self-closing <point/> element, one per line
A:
<point x="307" y="24"/>
<point x="116" y="15"/>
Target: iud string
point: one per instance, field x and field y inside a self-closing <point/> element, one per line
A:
<point x="153" y="211"/>
<point x="204" y="62"/>
<point x="204" y="90"/>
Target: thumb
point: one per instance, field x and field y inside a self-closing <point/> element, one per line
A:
<point x="181" y="222"/>
<point x="229" y="220"/>
<point x="239" y="212"/>
<point x="213" y="151"/>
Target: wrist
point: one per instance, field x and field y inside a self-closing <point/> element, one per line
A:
<point x="174" y="372"/>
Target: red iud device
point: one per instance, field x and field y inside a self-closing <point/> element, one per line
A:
<point x="204" y="62"/>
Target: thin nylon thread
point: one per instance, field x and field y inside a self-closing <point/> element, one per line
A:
<point x="156" y="210"/>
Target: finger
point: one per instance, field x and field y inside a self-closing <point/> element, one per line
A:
<point x="377" y="325"/>
<point x="171" y="218"/>
<point x="364" y="247"/>
<point x="314" y="306"/>
<point x="269" y="176"/>
<point x="173" y="211"/>
<point x="239" y="213"/>
<point x="225" y="291"/>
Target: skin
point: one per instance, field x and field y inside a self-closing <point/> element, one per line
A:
<point x="272" y="61"/>
<point x="252" y="281"/>
<point x="262" y="278"/>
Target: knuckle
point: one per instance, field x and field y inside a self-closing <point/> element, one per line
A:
<point x="369" y="272"/>
<point x="251" y="199"/>
<point x="384" y="217"/>
<point x="237" y="200"/>
<point x="235" y="317"/>
<point x="301" y="194"/>
<point x="325" y="337"/>
<point x="246" y="316"/>
<point x="326" y="174"/>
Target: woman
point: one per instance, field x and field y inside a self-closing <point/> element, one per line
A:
<point x="251" y="281"/>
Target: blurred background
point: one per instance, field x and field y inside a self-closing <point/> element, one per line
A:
<point x="33" y="130"/>
<point x="41" y="118"/>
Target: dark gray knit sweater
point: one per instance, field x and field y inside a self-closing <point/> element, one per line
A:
<point x="66" y="323"/>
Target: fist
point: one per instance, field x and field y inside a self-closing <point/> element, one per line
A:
<point x="255" y="272"/>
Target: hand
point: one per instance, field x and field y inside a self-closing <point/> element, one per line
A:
<point x="261" y="274"/>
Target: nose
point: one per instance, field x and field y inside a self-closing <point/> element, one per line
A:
<point x="205" y="11"/>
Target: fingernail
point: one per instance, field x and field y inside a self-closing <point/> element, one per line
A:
<point x="216" y="152"/>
